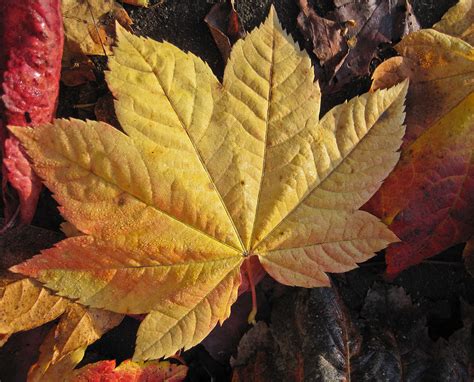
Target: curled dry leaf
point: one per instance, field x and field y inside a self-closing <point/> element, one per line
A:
<point x="346" y="40"/>
<point x="130" y="371"/>
<point x="326" y="36"/>
<point x="225" y="26"/>
<point x="206" y="176"/>
<point x="428" y="200"/>
<point x="30" y="50"/>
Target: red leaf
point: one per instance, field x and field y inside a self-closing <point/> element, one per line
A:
<point x="128" y="371"/>
<point x="428" y="200"/>
<point x="31" y="51"/>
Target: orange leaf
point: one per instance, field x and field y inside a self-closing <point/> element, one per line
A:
<point x="130" y="372"/>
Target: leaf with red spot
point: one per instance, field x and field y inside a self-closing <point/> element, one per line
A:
<point x="30" y="63"/>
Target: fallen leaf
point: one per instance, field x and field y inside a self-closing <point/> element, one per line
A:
<point x="89" y="26"/>
<point x="65" y="345"/>
<point x="77" y="69"/>
<point x="225" y="26"/>
<point x="44" y="370"/>
<point x="26" y="305"/>
<point x="346" y="39"/>
<point x="139" y="3"/>
<point x="457" y="21"/>
<point x="428" y="199"/>
<point x="279" y="352"/>
<point x="207" y="176"/>
<point x="130" y="371"/>
<point x="312" y="337"/>
<point x="326" y="36"/>
<point x="31" y="49"/>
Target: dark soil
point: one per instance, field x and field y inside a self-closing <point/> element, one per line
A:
<point x="438" y="284"/>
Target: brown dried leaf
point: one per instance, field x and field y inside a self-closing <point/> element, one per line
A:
<point x="225" y="26"/>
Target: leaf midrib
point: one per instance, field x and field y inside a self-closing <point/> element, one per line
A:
<point x="265" y="150"/>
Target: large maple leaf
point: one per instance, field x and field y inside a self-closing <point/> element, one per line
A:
<point x="207" y="176"/>
<point x="428" y="200"/>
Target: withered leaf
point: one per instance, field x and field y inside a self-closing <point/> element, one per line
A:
<point x="346" y="39"/>
<point x="225" y="26"/>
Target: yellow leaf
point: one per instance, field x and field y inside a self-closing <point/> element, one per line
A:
<point x="65" y="344"/>
<point x="89" y="26"/>
<point x="207" y="174"/>
<point x="139" y="3"/>
<point x="439" y="68"/>
<point x="458" y="21"/>
<point x="25" y="305"/>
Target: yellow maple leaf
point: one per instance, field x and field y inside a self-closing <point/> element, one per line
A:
<point x="207" y="175"/>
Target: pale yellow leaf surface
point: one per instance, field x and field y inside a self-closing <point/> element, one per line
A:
<point x="207" y="174"/>
<point x="458" y="21"/>
<point x="25" y="304"/>
<point x="66" y="343"/>
<point x="45" y="371"/>
<point x="89" y="26"/>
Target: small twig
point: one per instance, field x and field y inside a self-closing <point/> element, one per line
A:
<point x="253" y="312"/>
<point x="84" y="105"/>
